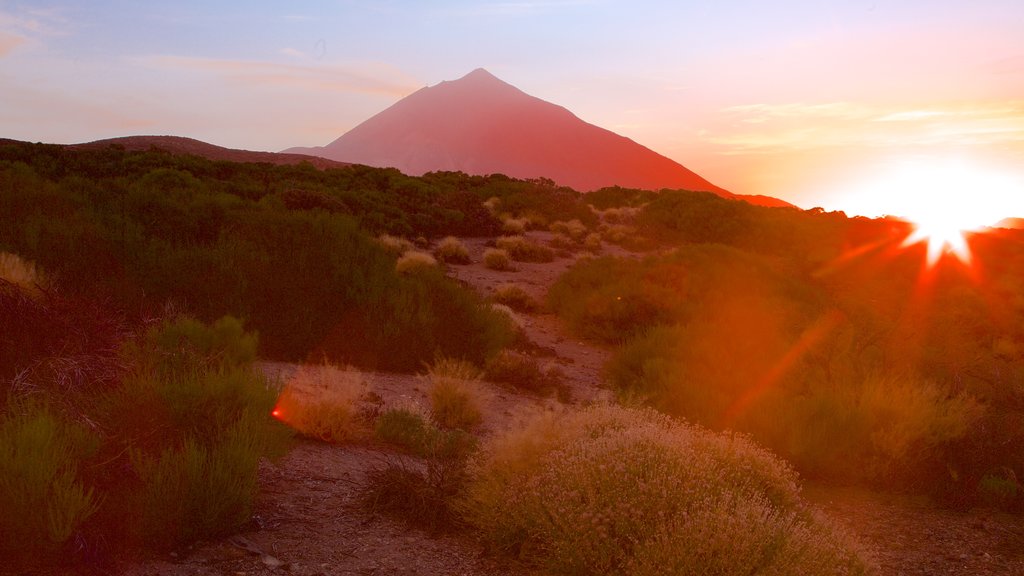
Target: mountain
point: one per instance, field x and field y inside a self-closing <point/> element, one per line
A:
<point x="180" y="145"/>
<point x="479" y="124"/>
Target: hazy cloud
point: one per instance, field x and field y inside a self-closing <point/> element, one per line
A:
<point x="9" y="42"/>
<point x="526" y="8"/>
<point x="775" y="128"/>
<point x="364" y="78"/>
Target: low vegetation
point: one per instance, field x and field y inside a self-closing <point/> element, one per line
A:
<point x="322" y="402"/>
<point x="513" y="296"/>
<point x="609" y="490"/>
<point x="498" y="259"/>
<point x="451" y="250"/>
<point x="823" y="337"/>
<point x="522" y="249"/>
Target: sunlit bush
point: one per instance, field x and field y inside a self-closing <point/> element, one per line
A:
<point x="323" y="402"/>
<point x="22" y="273"/>
<point x="513" y="296"/>
<point x="451" y="250"/>
<point x="498" y="259"/>
<point x="394" y="244"/>
<point x="608" y="490"/>
<point x="456" y="395"/>
<point x="413" y="261"/>
<point x="522" y="249"/>
<point x="573" y="229"/>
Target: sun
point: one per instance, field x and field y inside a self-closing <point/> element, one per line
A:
<point x="942" y="198"/>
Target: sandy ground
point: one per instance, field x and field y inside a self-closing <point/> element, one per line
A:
<point x="308" y="520"/>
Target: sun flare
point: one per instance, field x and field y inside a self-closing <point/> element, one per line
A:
<point x="942" y="198"/>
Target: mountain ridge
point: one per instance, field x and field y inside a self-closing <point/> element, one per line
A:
<point x="185" y="145"/>
<point x="480" y="124"/>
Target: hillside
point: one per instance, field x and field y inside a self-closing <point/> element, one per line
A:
<point x="482" y="125"/>
<point x="182" y="145"/>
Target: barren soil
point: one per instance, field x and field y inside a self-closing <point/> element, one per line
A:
<point x="308" y="519"/>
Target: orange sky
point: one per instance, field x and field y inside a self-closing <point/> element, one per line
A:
<point x="819" y="103"/>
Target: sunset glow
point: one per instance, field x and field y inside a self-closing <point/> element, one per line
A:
<point x="790" y="100"/>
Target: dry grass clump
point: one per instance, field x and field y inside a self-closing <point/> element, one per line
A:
<point x="455" y="394"/>
<point x="323" y="402"/>
<point x="610" y="490"/>
<point x="22" y="273"/>
<point x="511" y="225"/>
<point x="498" y="259"/>
<point x="516" y="298"/>
<point x="573" y="229"/>
<point x="394" y="244"/>
<point x="422" y="494"/>
<point x="451" y="250"/>
<point x="524" y="373"/>
<point x="522" y="249"/>
<point x="592" y="242"/>
<point x="413" y="261"/>
<point x="561" y="242"/>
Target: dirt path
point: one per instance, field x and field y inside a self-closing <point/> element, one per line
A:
<point x="308" y="520"/>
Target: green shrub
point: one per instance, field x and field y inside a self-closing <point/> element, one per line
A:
<point x="521" y="249"/>
<point x="608" y="490"/>
<point x="202" y="489"/>
<point x="451" y="250"/>
<point x="411" y="430"/>
<point x="43" y="498"/>
<point x="498" y="259"/>
<point x="522" y="372"/>
<point x="516" y="298"/>
<point x="183" y="344"/>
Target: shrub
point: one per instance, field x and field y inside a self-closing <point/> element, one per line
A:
<point x="511" y="225"/>
<point x="521" y="249"/>
<point x="522" y="372"/>
<point x="413" y="261"/>
<point x="573" y="229"/>
<point x="498" y="259"/>
<point x="561" y="242"/>
<point x="423" y="495"/>
<point x="183" y="343"/>
<point x="592" y="242"/>
<point x="200" y="490"/>
<point x="43" y="499"/>
<point x="609" y="490"/>
<point x="394" y="244"/>
<point x="455" y="394"/>
<point x="22" y="273"/>
<point x="407" y="427"/>
<point x="516" y="298"/>
<point x="322" y="402"/>
<point x="451" y="250"/>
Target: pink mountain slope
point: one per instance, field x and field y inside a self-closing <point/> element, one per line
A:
<point x="479" y="124"/>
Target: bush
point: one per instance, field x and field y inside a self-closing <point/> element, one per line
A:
<point x="22" y="273"/>
<point x="511" y="225"/>
<point x="423" y="495"/>
<point x="43" y="498"/>
<point x="413" y="261"/>
<point x="522" y="372"/>
<point x="521" y="249"/>
<point x="408" y="428"/>
<point x="498" y="259"/>
<point x="573" y="229"/>
<point x="323" y="402"/>
<point x="395" y="245"/>
<point x="592" y="242"/>
<point x="608" y="490"/>
<point x="202" y="489"/>
<point x="455" y="394"/>
<point x="451" y="250"/>
<point x="516" y="298"/>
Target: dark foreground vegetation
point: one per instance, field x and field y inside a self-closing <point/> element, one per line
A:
<point x="824" y="337"/>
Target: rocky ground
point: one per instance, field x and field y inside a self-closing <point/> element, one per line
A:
<point x="309" y="520"/>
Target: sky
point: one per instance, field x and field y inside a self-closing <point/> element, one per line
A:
<point x="871" y="107"/>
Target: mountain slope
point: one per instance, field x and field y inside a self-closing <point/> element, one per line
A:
<point x="482" y="125"/>
<point x="181" y="145"/>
